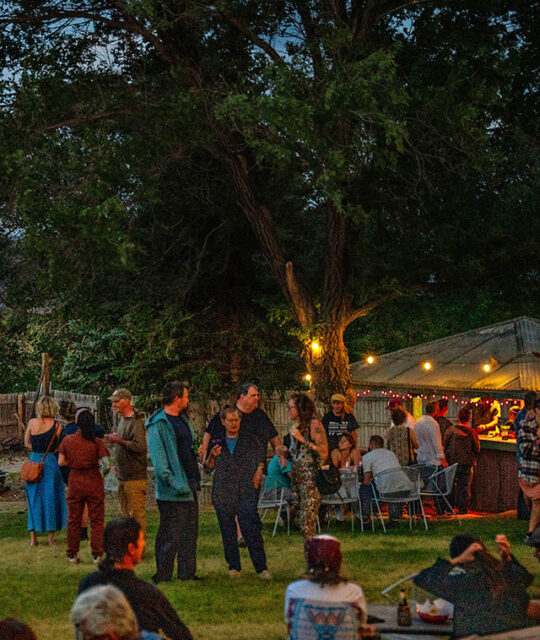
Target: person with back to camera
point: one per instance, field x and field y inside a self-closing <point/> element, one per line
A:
<point x="46" y="498"/>
<point x="82" y="452"/>
<point x="401" y="439"/>
<point x="124" y="543"/>
<point x="309" y="449"/>
<point x="490" y="595"/>
<point x="324" y="585"/>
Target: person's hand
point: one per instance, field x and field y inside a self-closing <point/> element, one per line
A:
<point x="297" y="435"/>
<point x="366" y="631"/>
<point x="215" y="451"/>
<point x="258" y="478"/>
<point x="444" y="462"/>
<point x="468" y="554"/>
<point x="112" y="438"/>
<point x="281" y="450"/>
<point x="282" y="462"/>
<point x="504" y="546"/>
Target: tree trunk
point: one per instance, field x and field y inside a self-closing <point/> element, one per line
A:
<point x="330" y="368"/>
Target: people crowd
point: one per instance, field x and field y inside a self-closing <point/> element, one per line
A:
<point x="112" y="600"/>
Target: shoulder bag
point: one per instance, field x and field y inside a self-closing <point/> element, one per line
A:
<point x="327" y="477"/>
<point x="32" y="472"/>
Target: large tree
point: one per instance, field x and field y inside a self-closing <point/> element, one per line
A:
<point x="355" y="138"/>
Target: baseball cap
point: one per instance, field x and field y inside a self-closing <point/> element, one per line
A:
<point x="393" y="403"/>
<point x="338" y="397"/>
<point x="120" y="394"/>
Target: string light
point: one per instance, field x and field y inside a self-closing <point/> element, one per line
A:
<point x="307" y="377"/>
<point x="487" y="368"/>
<point x="315" y="347"/>
<point x="427" y="366"/>
<point x="370" y="359"/>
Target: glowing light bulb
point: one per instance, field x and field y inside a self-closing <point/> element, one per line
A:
<point x="487" y="368"/>
<point x="307" y="377"/>
<point x="427" y="366"/>
<point x="315" y="347"/>
<point x="370" y="359"/>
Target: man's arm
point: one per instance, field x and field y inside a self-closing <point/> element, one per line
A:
<point x="135" y="438"/>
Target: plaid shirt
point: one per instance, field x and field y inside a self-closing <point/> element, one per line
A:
<point x="528" y="447"/>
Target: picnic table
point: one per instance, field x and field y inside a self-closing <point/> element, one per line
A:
<point x="388" y="614"/>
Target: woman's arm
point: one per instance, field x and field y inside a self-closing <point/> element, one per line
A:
<point x="319" y="440"/>
<point x="335" y="457"/>
<point x="27" y="435"/>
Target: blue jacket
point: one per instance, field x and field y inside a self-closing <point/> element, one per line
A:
<point x="171" y="481"/>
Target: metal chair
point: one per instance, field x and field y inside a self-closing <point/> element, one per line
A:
<point x="275" y="498"/>
<point x="347" y="494"/>
<point x="399" y="486"/>
<point x="437" y="484"/>
<point x="205" y="494"/>
<point x="313" y="620"/>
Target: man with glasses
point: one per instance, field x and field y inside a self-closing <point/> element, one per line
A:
<point x="337" y="421"/>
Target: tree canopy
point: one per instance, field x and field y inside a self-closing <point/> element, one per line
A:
<point x="184" y="171"/>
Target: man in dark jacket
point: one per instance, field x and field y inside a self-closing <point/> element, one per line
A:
<point x="462" y="446"/>
<point x="124" y="545"/>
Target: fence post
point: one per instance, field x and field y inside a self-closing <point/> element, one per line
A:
<point x="21" y="411"/>
<point x="46" y="384"/>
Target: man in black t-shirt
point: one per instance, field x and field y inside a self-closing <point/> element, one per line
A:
<point x="255" y="424"/>
<point x="441" y="418"/>
<point x="337" y="420"/>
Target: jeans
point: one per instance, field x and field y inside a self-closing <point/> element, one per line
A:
<point x="177" y="537"/>
<point x="462" y="487"/>
<point x="251" y="527"/>
<point x="395" y="509"/>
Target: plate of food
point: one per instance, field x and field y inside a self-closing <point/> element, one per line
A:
<point x="432" y="613"/>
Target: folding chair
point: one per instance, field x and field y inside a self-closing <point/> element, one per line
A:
<point x="438" y="484"/>
<point x="314" y="620"/>
<point x="399" y="485"/>
<point x="275" y="498"/>
<point x="348" y="494"/>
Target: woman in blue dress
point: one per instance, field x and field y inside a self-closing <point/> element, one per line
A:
<point x="46" y="499"/>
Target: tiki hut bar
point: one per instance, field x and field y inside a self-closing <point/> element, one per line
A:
<point x="487" y="369"/>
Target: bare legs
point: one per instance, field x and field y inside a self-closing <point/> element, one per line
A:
<point x="33" y="539"/>
<point x="51" y="536"/>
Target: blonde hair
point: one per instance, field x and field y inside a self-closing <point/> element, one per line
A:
<point x="46" y="407"/>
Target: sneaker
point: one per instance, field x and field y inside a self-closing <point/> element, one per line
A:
<point x="234" y="573"/>
<point x="241" y="543"/>
<point x="95" y="559"/>
<point x="74" y="559"/>
<point x="265" y="575"/>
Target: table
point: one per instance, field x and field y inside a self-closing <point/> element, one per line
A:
<point x="388" y="613"/>
<point x="495" y="486"/>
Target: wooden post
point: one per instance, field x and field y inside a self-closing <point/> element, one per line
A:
<point x="46" y="381"/>
<point x="21" y="406"/>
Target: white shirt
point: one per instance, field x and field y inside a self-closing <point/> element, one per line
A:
<point x="342" y="592"/>
<point x="430" y="449"/>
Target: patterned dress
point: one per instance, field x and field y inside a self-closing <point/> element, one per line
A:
<point x="306" y="496"/>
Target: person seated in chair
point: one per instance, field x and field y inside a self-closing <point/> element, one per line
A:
<point x="379" y="459"/>
<point x="325" y="587"/>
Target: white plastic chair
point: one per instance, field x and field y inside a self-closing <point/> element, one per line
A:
<point x="347" y="494"/>
<point x="313" y="620"/>
<point x="399" y="485"/>
<point x="275" y="498"/>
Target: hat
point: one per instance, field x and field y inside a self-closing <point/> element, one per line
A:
<point x="324" y="551"/>
<point x="120" y="394"/>
<point x="533" y="539"/>
<point x="392" y="404"/>
<point x="338" y="397"/>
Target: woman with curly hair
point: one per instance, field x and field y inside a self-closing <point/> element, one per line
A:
<point x="309" y="449"/>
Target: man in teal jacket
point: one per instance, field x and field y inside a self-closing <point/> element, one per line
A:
<point x="170" y="445"/>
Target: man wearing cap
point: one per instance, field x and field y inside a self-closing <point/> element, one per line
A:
<point x="337" y="421"/>
<point x="131" y="453"/>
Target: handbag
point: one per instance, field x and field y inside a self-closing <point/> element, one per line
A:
<point x="32" y="472"/>
<point x="328" y="479"/>
<point x="412" y="455"/>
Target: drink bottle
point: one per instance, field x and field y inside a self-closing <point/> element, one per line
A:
<point x="403" y="610"/>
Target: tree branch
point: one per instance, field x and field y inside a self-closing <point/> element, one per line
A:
<point x="368" y="308"/>
<point x="252" y="36"/>
<point x="73" y="122"/>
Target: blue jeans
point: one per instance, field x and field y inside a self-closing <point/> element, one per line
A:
<point x="251" y="527"/>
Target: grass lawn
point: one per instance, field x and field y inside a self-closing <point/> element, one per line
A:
<point x="37" y="584"/>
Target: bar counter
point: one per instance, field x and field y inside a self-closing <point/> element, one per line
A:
<point x="495" y="486"/>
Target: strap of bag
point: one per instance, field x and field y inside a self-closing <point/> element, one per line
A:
<point x="55" y="436"/>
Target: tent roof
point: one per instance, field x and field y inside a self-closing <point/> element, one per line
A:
<point x="511" y="347"/>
